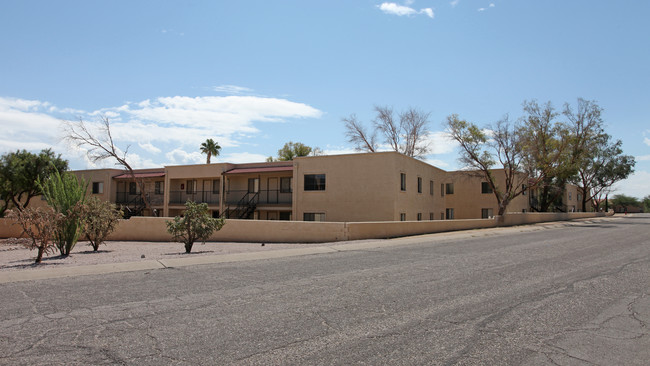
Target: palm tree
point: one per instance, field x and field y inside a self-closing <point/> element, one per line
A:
<point x="210" y="148"/>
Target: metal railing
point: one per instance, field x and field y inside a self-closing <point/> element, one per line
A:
<point x="180" y="197"/>
<point x="128" y="198"/>
<point x="267" y="196"/>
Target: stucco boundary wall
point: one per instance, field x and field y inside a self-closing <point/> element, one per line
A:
<point x="154" y="228"/>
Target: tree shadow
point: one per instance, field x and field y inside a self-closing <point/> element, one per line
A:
<point x="183" y="253"/>
<point x="94" y="252"/>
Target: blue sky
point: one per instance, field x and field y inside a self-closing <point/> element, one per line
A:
<point x="256" y="74"/>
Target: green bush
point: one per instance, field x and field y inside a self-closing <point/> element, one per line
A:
<point x="64" y="193"/>
<point x="196" y="224"/>
<point x="99" y="220"/>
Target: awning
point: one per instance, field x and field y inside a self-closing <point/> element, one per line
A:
<point x="140" y="175"/>
<point x="260" y="169"/>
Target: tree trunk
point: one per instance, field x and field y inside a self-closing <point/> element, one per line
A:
<point x="39" y="256"/>
<point x="188" y="246"/>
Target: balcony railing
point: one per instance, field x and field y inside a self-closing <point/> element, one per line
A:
<point x="180" y="197"/>
<point x="125" y="198"/>
<point x="270" y="196"/>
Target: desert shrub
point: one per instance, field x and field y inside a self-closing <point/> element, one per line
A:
<point x="196" y="224"/>
<point x="40" y="225"/>
<point x="64" y="193"/>
<point x="99" y="220"/>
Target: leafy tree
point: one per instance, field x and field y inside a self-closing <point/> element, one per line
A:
<point x="292" y="150"/>
<point x="65" y="193"/>
<point x="625" y="201"/>
<point x="600" y="166"/>
<point x="210" y="148"/>
<point x="406" y="134"/>
<point x="196" y="224"/>
<point x="546" y="149"/>
<point x="19" y="172"/>
<point x="646" y="203"/>
<point x="100" y="218"/>
<point x="482" y="150"/>
<point x="40" y="225"/>
<point x="595" y="173"/>
<point x="99" y="145"/>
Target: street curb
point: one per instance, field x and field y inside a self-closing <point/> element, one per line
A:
<point x="97" y="269"/>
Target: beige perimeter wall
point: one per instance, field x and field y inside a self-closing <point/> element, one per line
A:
<point x="154" y="228"/>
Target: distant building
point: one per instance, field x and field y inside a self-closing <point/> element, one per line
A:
<point x="384" y="186"/>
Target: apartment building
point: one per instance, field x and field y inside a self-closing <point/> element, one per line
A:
<point x="384" y="186"/>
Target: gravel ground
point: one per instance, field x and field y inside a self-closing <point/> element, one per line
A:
<point x="15" y="256"/>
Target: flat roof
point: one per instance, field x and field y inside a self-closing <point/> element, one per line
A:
<point x="140" y="175"/>
<point x="285" y="168"/>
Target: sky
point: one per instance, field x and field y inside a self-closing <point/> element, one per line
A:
<point x="253" y="75"/>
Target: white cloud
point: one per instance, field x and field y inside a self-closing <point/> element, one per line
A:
<point x="437" y="163"/>
<point x="232" y="89"/>
<point x="240" y="158"/>
<point x="25" y="124"/>
<point x="454" y="3"/>
<point x="404" y="10"/>
<point x="642" y="158"/>
<point x="489" y="6"/>
<point x="150" y="148"/>
<point x="150" y="127"/>
<point x="636" y="185"/>
<point x="646" y="141"/>
<point x="178" y="156"/>
<point x="339" y="151"/>
<point x="428" y="12"/>
<point x="441" y="143"/>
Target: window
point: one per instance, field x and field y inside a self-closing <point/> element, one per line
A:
<point x="486" y="213"/>
<point x="523" y="189"/>
<point x="570" y="196"/>
<point x="431" y="216"/>
<point x="313" y="216"/>
<point x="402" y="217"/>
<point x="190" y="188"/>
<point x="449" y="188"/>
<point x="431" y="187"/>
<point x="216" y="186"/>
<point x="579" y="196"/>
<point x="419" y="185"/>
<point x="133" y="188"/>
<point x="402" y="178"/>
<point x="442" y="189"/>
<point x="253" y="185"/>
<point x="285" y="216"/>
<point x="419" y="216"/>
<point x="442" y="216"/>
<point x="485" y="188"/>
<point x="285" y="185"/>
<point x="314" y="182"/>
<point x="449" y="214"/>
<point x="98" y="187"/>
<point x="159" y="188"/>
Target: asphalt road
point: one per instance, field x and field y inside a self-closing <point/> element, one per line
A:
<point x="569" y="294"/>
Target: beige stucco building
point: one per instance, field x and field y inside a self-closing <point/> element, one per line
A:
<point x="384" y="186"/>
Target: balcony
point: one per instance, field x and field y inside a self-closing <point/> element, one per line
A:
<point x="266" y="197"/>
<point x="127" y="198"/>
<point x="180" y="197"/>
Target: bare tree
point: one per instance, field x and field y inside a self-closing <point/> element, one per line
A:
<point x="100" y="146"/>
<point x="357" y="135"/>
<point x="406" y="134"/>
<point x="500" y="148"/>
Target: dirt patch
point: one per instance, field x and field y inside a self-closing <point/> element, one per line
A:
<point x="15" y="256"/>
